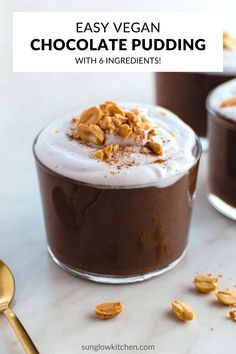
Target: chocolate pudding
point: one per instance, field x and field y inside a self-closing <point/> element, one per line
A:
<point x="221" y="106"/>
<point x="117" y="186"/>
<point x="185" y="93"/>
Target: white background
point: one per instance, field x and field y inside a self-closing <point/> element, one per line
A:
<point x="29" y="26"/>
<point x="27" y="103"/>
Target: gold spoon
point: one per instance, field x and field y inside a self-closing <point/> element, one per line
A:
<point x="7" y="291"/>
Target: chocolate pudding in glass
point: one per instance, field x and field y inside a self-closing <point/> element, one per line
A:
<point x="221" y="106"/>
<point x="117" y="185"/>
<point x="185" y="93"/>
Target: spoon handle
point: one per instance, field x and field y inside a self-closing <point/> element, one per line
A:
<point x="21" y="333"/>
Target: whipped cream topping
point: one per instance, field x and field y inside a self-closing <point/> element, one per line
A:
<point x="220" y="94"/>
<point x="134" y="165"/>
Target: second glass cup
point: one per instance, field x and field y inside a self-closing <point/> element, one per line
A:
<point x="185" y="94"/>
<point x="221" y="106"/>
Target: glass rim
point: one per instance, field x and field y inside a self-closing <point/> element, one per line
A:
<point x="101" y="186"/>
<point x="214" y="111"/>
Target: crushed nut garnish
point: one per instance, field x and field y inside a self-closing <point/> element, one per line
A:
<point x="155" y="147"/>
<point x="228" y="41"/>
<point x="90" y="133"/>
<point x="227" y="297"/>
<point x="182" y="310"/>
<point x="106" y="152"/>
<point x="232" y="315"/>
<point x="229" y="102"/>
<point x="105" y="122"/>
<point x="96" y="122"/>
<point x="108" y="310"/>
<point x="125" y="131"/>
<point x="91" y="115"/>
<point x="74" y="120"/>
<point x="146" y="126"/>
<point x="205" y="283"/>
<point x="117" y="120"/>
<point x="151" y="134"/>
<point x="111" y="108"/>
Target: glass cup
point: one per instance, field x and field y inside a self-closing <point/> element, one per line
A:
<point x="117" y="235"/>
<point x="222" y="162"/>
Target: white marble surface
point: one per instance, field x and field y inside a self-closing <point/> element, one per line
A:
<point x="56" y="308"/>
